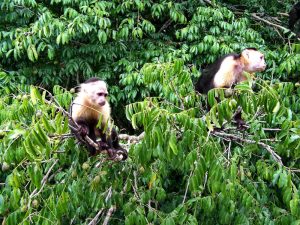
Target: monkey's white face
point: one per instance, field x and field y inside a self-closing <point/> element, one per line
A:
<point x="255" y="59"/>
<point x="97" y="92"/>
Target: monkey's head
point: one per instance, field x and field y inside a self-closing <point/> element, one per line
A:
<point x="95" y="90"/>
<point x="254" y="61"/>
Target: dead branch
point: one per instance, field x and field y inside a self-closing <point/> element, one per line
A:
<point x="187" y="185"/>
<point x="254" y="15"/>
<point x="283" y="14"/>
<point x="165" y="25"/>
<point x="43" y="182"/>
<point x="61" y="136"/>
<point x="271" y="129"/>
<point x="131" y="138"/>
<point x="209" y="2"/>
<point x="108" y="214"/>
<point x="95" y="219"/>
<point x="275" y="156"/>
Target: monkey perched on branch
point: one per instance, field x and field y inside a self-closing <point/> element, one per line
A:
<point x="91" y="111"/>
<point x="229" y="70"/>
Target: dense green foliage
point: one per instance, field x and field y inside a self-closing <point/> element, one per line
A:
<point x="193" y="165"/>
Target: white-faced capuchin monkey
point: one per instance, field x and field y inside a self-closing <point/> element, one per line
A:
<point x="229" y="70"/>
<point x="88" y="108"/>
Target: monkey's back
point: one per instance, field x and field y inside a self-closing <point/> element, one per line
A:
<point x="206" y="81"/>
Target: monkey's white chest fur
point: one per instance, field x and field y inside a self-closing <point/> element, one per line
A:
<point x="227" y="73"/>
<point x="82" y="108"/>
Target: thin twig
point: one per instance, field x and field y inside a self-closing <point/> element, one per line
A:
<point x="43" y="182"/>
<point x="135" y="187"/>
<point x="228" y="150"/>
<point x="166" y="24"/>
<point x="283" y="14"/>
<point x="60" y="136"/>
<point x="131" y="138"/>
<point x="94" y="220"/>
<point x="108" y="214"/>
<point x="271" y="24"/>
<point x="187" y="186"/>
<point x="271" y="129"/>
<point x="61" y="109"/>
<point x="293" y="170"/>
<point x="205" y="179"/>
<point x="254" y="15"/>
<point x="275" y="156"/>
<point x="209" y="2"/>
<point x="108" y="196"/>
<point x="178" y="96"/>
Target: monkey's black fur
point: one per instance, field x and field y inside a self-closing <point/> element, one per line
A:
<point x="294" y="15"/>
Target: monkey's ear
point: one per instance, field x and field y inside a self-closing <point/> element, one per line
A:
<point x="246" y="53"/>
<point x="83" y="87"/>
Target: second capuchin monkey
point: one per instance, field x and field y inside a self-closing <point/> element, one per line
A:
<point x="294" y="15"/>
<point x="91" y="111"/>
<point x="229" y="70"/>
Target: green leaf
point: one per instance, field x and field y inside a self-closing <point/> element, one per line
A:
<point x="172" y="144"/>
<point x="35" y="95"/>
<point x="282" y="182"/>
<point x="276" y="108"/>
<point x="32" y="53"/>
<point x="295" y="207"/>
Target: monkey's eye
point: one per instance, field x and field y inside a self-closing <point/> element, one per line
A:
<point x="102" y="94"/>
<point x="262" y="57"/>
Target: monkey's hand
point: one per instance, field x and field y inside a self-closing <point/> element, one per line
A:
<point x="103" y="145"/>
<point x="83" y="130"/>
<point x="111" y="153"/>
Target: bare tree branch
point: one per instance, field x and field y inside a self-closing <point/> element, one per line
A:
<point x="209" y="2"/>
<point x="131" y="139"/>
<point x="43" y="182"/>
<point x="95" y="219"/>
<point x="166" y="24"/>
<point x="272" y="24"/>
<point x="108" y="214"/>
<point x="275" y="156"/>
<point x="187" y="186"/>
